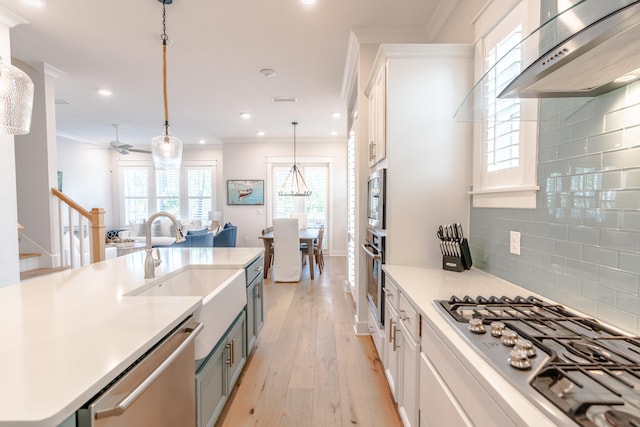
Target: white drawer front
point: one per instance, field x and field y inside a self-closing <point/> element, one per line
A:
<point x="409" y="317"/>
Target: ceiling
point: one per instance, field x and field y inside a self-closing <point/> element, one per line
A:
<point x="218" y="49"/>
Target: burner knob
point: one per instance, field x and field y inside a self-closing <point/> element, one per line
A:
<point x="518" y="359"/>
<point x="526" y="347"/>
<point x="497" y="328"/>
<point x="509" y="338"/>
<point x="476" y="326"/>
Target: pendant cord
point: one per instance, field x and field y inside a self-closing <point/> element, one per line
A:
<point x="164" y="68"/>
<point x="294" y="143"/>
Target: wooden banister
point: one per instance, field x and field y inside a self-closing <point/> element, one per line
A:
<point x="85" y="213"/>
<point x="95" y="218"/>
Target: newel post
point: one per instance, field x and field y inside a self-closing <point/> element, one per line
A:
<point x="97" y="235"/>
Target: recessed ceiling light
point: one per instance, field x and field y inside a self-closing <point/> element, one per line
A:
<point x="268" y="72"/>
<point x="334" y="133"/>
<point x="245" y="116"/>
<point x="202" y="141"/>
<point x="35" y="3"/>
<point x="260" y="133"/>
<point x="105" y="92"/>
<point x="626" y="78"/>
<point x="308" y="1"/>
<point x="336" y="115"/>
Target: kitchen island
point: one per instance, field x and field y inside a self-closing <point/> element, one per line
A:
<point x="67" y="335"/>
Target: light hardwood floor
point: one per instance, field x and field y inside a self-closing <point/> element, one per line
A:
<point x="308" y="367"/>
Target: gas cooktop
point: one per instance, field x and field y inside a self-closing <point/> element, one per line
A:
<point x="570" y="366"/>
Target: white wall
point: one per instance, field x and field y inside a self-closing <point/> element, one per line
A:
<point x="86" y="175"/>
<point x="249" y="161"/>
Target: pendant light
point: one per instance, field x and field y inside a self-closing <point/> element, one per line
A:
<point x="16" y="100"/>
<point x="166" y="150"/>
<point x="295" y="184"/>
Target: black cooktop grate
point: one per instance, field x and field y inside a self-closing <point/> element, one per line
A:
<point x="591" y="368"/>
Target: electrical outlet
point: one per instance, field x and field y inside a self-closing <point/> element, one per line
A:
<point x="514" y="242"/>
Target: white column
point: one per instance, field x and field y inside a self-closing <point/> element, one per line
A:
<point x="36" y="160"/>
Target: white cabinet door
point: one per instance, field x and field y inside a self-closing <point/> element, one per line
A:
<point x="409" y="374"/>
<point x="372" y="127"/>
<point x="377" y="118"/>
<point x="392" y="355"/>
<point x="438" y="406"/>
<point x="381" y="115"/>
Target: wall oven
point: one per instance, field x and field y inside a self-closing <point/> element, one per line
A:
<point x="374" y="251"/>
<point x="376" y="188"/>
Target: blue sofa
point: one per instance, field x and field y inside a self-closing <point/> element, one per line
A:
<point x="194" y="239"/>
<point x="204" y="238"/>
<point x="226" y="238"/>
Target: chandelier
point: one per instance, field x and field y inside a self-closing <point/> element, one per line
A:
<point x="166" y="150"/>
<point x="294" y="185"/>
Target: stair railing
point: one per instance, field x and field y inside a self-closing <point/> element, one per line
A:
<point x="94" y="219"/>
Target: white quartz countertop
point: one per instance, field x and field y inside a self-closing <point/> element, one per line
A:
<point x="65" y="336"/>
<point x="424" y="285"/>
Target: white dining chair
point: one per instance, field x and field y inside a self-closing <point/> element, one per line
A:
<point x="287" y="265"/>
<point x="302" y="219"/>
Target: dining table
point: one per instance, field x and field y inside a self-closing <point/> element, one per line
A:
<point x="306" y="235"/>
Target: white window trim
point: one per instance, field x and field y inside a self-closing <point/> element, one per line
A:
<point x="515" y="190"/>
<point x="152" y="182"/>
<point x="306" y="161"/>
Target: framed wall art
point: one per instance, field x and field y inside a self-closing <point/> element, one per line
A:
<point x="245" y="192"/>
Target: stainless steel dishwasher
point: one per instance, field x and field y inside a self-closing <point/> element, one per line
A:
<point x="158" y="390"/>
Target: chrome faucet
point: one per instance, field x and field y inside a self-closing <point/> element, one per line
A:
<point x="150" y="263"/>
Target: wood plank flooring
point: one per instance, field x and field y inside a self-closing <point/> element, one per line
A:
<point x="308" y="367"/>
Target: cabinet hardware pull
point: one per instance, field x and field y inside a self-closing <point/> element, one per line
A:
<point x="228" y="347"/>
<point x="390" y="328"/>
<point x="395" y="335"/>
<point x="233" y="353"/>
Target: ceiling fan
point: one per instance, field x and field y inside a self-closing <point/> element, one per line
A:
<point x="123" y="148"/>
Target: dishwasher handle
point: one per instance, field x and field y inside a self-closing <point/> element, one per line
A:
<point x="371" y="254"/>
<point x="193" y="329"/>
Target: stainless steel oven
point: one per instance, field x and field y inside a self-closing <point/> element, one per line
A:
<point x="374" y="251"/>
<point x="376" y="202"/>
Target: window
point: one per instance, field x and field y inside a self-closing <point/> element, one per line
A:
<point x="316" y="174"/>
<point x="315" y="206"/>
<point x="502" y="131"/>
<point x="186" y="193"/>
<point x="505" y="153"/>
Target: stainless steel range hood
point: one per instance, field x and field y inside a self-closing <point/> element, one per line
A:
<point x="581" y="52"/>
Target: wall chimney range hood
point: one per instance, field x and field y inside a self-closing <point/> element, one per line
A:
<point x="588" y="49"/>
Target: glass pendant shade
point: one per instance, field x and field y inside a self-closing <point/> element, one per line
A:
<point x="166" y="151"/>
<point x="16" y="100"/>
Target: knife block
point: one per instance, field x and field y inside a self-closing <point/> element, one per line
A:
<point x="452" y="263"/>
<point x="461" y="263"/>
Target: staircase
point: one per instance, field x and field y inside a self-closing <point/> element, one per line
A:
<point x="73" y="229"/>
